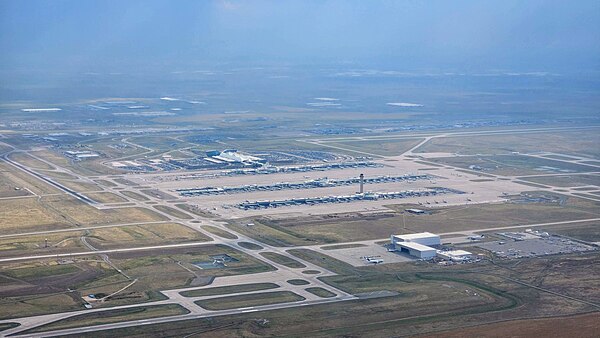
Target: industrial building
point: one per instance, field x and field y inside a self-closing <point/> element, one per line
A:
<point x="416" y="249"/>
<point x="425" y="238"/>
<point x="81" y="154"/>
<point x="417" y="245"/>
<point x="454" y="255"/>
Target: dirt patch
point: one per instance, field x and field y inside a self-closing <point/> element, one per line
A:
<point x="587" y="325"/>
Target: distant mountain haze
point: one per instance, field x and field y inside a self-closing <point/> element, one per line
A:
<point x="86" y="36"/>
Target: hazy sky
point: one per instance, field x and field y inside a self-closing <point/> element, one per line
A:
<point x="80" y="35"/>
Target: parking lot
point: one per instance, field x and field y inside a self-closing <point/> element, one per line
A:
<point x="534" y="247"/>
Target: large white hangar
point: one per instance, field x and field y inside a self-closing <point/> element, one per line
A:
<point x="417" y="245"/>
<point x="425" y="238"/>
<point x="416" y="249"/>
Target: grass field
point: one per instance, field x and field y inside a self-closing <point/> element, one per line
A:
<point x="80" y="185"/>
<point x="87" y="168"/>
<point x="81" y="213"/>
<point x="585" y="326"/>
<point x="11" y="177"/>
<point x="158" y="194"/>
<point x="429" y="299"/>
<point x="242" y="301"/>
<point x="354" y="226"/>
<point x="106" y="197"/>
<point x="382" y="147"/>
<point x="195" y="210"/>
<point x="160" y="270"/>
<point x="219" y="232"/>
<point x="565" y="180"/>
<point x="144" y="235"/>
<point x="173" y="212"/>
<point x="223" y="290"/>
<point x="100" y="238"/>
<point x="113" y="316"/>
<point x="41" y="286"/>
<point x="125" y="182"/>
<point x="28" y="214"/>
<point x="134" y="195"/>
<point x="251" y="246"/>
<point x="11" y="186"/>
<point x="298" y="282"/>
<point x="514" y="165"/>
<point x="6" y="326"/>
<point x="283" y="260"/>
<point x="106" y="183"/>
<point x="584" y="231"/>
<point x="583" y="142"/>
<point x="30" y="161"/>
<point x="57" y="174"/>
<point x="323" y="261"/>
<point x="323" y="293"/>
<point x="264" y="231"/>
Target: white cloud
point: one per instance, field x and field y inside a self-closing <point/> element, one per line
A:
<point x="404" y="104"/>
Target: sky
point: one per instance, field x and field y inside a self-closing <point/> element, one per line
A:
<point x="460" y="35"/>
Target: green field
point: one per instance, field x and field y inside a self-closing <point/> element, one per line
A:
<point x="565" y="180"/>
<point x="583" y="143"/>
<point x="283" y="260"/>
<point x="173" y="212"/>
<point x="106" y="197"/>
<point x="251" y="246"/>
<point x="317" y="229"/>
<point x="6" y="326"/>
<point x="514" y="165"/>
<point x="381" y="147"/>
<point x="219" y="232"/>
<point x="134" y="195"/>
<point x="323" y="293"/>
<point x="113" y="316"/>
<point x="243" y="301"/>
<point x="100" y="238"/>
<point x="11" y="178"/>
<point x="584" y="231"/>
<point x="298" y="282"/>
<point x="223" y="290"/>
<point x="38" y="287"/>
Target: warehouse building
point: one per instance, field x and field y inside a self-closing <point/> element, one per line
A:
<point x="416" y="249"/>
<point x="417" y="245"/>
<point x="454" y="255"/>
<point x="425" y="238"/>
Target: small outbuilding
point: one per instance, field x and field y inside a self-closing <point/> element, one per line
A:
<point x="454" y="255"/>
